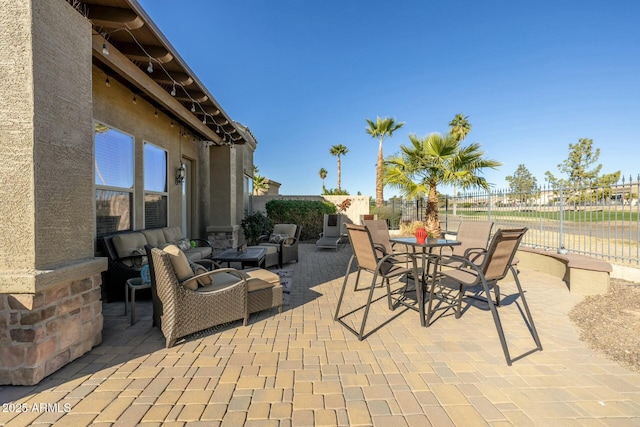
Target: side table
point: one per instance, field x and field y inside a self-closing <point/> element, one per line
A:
<point x="132" y="286"/>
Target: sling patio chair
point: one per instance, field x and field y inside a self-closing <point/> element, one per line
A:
<point x="370" y="260"/>
<point x="473" y="237"/>
<point x="380" y="236"/>
<point x="497" y="261"/>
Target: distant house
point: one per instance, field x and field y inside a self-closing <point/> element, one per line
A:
<point x="273" y="189"/>
<point x="104" y="128"/>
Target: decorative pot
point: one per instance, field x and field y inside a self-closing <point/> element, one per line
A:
<point x="421" y="235"/>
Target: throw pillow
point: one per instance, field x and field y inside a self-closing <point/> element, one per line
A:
<point x="199" y="269"/>
<point x="183" y="244"/>
<point x="139" y="257"/>
<point x="277" y="238"/>
<point x="181" y="267"/>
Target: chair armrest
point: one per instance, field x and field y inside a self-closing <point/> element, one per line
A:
<point x="474" y="254"/>
<point x="290" y="241"/>
<point x="262" y="239"/>
<point x="232" y="271"/>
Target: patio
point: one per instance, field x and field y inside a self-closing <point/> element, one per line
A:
<point x="302" y="368"/>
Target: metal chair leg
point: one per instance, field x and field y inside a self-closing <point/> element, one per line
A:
<point x="534" y="332"/>
<point x="366" y="310"/>
<point x="355" y="287"/>
<point x="344" y="287"/>
<point x="497" y="322"/>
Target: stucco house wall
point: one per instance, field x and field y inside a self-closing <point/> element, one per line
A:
<point x="50" y="309"/>
<point x="113" y="105"/>
<point x="53" y="91"/>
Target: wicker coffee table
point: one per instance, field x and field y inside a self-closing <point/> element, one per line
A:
<point x="253" y="257"/>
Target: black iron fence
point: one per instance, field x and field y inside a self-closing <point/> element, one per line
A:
<point x="600" y="221"/>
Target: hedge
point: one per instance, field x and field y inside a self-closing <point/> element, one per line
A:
<point x="307" y="213"/>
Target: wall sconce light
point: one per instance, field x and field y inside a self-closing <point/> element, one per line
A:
<point x="180" y="174"/>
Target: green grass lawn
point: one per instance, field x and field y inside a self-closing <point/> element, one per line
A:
<point x="574" y="216"/>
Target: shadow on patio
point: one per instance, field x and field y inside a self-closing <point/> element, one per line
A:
<point x="302" y="368"/>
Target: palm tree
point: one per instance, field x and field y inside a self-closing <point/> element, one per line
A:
<point x="459" y="128"/>
<point x="434" y="160"/>
<point x="339" y="150"/>
<point x="381" y="129"/>
<point x="260" y="183"/>
<point x="323" y="174"/>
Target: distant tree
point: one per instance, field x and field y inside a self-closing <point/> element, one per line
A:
<point x="431" y="161"/>
<point x="334" y="192"/>
<point x="339" y="150"/>
<point x="260" y="183"/>
<point x="381" y="129"/>
<point x="323" y="174"/>
<point x="582" y="170"/>
<point x="459" y="128"/>
<point x="582" y="157"/>
<point x="522" y="183"/>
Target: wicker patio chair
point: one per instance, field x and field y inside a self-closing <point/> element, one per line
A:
<point x="496" y="264"/>
<point x="369" y="259"/>
<point x="185" y="311"/>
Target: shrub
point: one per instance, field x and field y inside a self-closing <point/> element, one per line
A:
<point x="388" y="214"/>
<point x="408" y="228"/>
<point x="307" y="213"/>
<point x="255" y="225"/>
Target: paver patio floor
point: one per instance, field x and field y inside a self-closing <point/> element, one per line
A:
<point x="301" y="368"/>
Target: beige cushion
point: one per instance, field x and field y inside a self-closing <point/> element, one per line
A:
<point x="172" y="234"/>
<point x="155" y="237"/>
<point x="221" y="280"/>
<point x="288" y="229"/>
<point x="198" y="253"/>
<point x="259" y="278"/>
<point x="125" y="245"/>
<point x="199" y="269"/>
<point x="181" y="266"/>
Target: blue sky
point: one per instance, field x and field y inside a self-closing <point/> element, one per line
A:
<point x="532" y="77"/>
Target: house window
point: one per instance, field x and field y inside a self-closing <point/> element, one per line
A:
<point x="155" y="186"/>
<point x="114" y="172"/>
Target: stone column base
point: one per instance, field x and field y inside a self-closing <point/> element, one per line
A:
<point x="43" y="331"/>
<point x="223" y="237"/>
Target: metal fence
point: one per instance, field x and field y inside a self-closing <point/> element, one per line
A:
<point x="600" y="221"/>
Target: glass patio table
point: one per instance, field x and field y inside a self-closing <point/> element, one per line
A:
<point x="428" y="259"/>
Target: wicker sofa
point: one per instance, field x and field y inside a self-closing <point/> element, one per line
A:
<point x="126" y="254"/>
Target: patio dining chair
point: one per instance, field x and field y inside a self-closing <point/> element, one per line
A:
<point x="370" y="260"/>
<point x="474" y="238"/>
<point x="380" y="236"/>
<point x="496" y="263"/>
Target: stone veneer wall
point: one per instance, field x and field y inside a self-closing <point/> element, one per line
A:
<point x="222" y="238"/>
<point x="42" y="332"/>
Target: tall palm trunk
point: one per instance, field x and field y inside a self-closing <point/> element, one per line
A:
<point x="379" y="172"/>
<point x="432" y="223"/>
<point x="455" y="199"/>
<point x="339" y="172"/>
